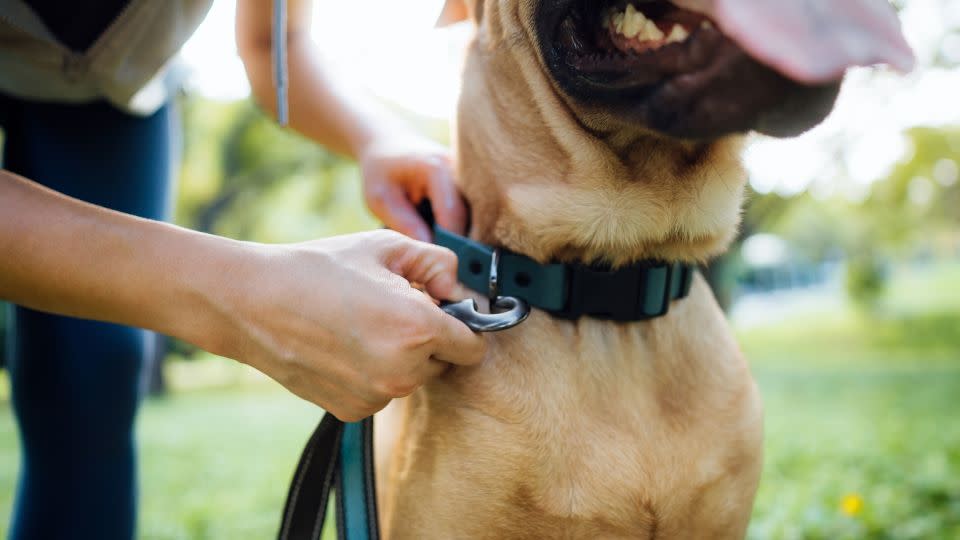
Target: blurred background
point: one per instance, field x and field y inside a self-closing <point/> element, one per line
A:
<point x="844" y="288"/>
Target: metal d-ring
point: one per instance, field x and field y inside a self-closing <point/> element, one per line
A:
<point x="510" y="312"/>
<point x="493" y="283"/>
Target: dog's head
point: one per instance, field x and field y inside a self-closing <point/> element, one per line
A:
<point x="637" y="106"/>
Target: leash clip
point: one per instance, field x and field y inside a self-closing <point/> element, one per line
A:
<point x="507" y="313"/>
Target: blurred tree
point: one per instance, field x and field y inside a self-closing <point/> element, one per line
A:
<point x="915" y="209"/>
<point x="920" y="199"/>
<point x="913" y="212"/>
<point x="246" y="178"/>
<point x="866" y="280"/>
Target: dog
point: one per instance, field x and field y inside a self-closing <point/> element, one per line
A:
<point x="609" y="132"/>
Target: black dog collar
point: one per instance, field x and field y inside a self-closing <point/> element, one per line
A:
<point x="638" y="292"/>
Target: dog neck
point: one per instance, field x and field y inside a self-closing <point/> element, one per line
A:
<point x="544" y="181"/>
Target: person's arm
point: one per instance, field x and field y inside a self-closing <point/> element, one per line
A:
<point x="398" y="165"/>
<point x="335" y="321"/>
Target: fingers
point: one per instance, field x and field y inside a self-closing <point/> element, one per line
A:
<point x="432" y="266"/>
<point x="448" y="206"/>
<point x="390" y="203"/>
<point x="455" y="342"/>
<point x="436" y="268"/>
<point x="355" y="407"/>
<point x="356" y="413"/>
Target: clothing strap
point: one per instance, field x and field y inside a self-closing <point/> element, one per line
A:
<point x="338" y="458"/>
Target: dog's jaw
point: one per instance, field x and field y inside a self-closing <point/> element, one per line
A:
<point x="543" y="183"/>
<point x="648" y="211"/>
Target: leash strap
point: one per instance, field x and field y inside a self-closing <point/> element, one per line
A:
<point x="338" y="458"/>
<point x="279" y="53"/>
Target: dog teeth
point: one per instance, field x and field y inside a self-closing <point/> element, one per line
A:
<point x="633" y="24"/>
<point x="678" y="34"/>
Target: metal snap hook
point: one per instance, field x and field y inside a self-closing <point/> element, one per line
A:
<point x="509" y="312"/>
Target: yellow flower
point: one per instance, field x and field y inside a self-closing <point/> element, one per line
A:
<point x="852" y="504"/>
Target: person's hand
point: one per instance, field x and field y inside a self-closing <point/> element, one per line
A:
<point x="338" y="322"/>
<point x="399" y="170"/>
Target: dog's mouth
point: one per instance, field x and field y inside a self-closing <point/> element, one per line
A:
<point x="627" y="44"/>
<point x="677" y="71"/>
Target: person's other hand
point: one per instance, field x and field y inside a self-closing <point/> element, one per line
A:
<point x="338" y="322"/>
<point x="398" y="172"/>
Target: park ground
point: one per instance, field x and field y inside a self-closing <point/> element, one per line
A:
<point x="862" y="431"/>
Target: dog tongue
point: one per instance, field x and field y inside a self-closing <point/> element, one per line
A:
<point x="811" y="41"/>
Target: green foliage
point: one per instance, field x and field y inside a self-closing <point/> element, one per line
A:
<point x="883" y="437"/>
<point x="914" y="212"/>
<point x="866" y="278"/>
<point x="920" y="199"/>
<point x="244" y="177"/>
<point x="861" y="409"/>
<point x="917" y="325"/>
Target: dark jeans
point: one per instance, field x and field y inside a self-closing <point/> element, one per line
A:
<point x="76" y="383"/>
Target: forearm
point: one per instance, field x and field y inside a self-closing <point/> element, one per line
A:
<point x="321" y="108"/>
<point x="335" y="321"/>
<point x="64" y="256"/>
<point x="399" y="168"/>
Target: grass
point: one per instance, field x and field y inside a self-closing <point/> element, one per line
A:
<point x="886" y="437"/>
<point x="218" y="464"/>
<point x="862" y="434"/>
<point x="917" y="323"/>
<point x="214" y="464"/>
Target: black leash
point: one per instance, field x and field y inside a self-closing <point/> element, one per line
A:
<point x="336" y="456"/>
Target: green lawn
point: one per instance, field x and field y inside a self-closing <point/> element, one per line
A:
<point x="888" y="437"/>
<point x="862" y="409"/>
<point x="863" y="439"/>
<point x="214" y="464"/>
<point x="916" y="323"/>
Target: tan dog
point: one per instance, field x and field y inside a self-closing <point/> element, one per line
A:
<point x="577" y="142"/>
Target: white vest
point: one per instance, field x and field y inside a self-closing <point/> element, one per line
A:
<point x="126" y="65"/>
